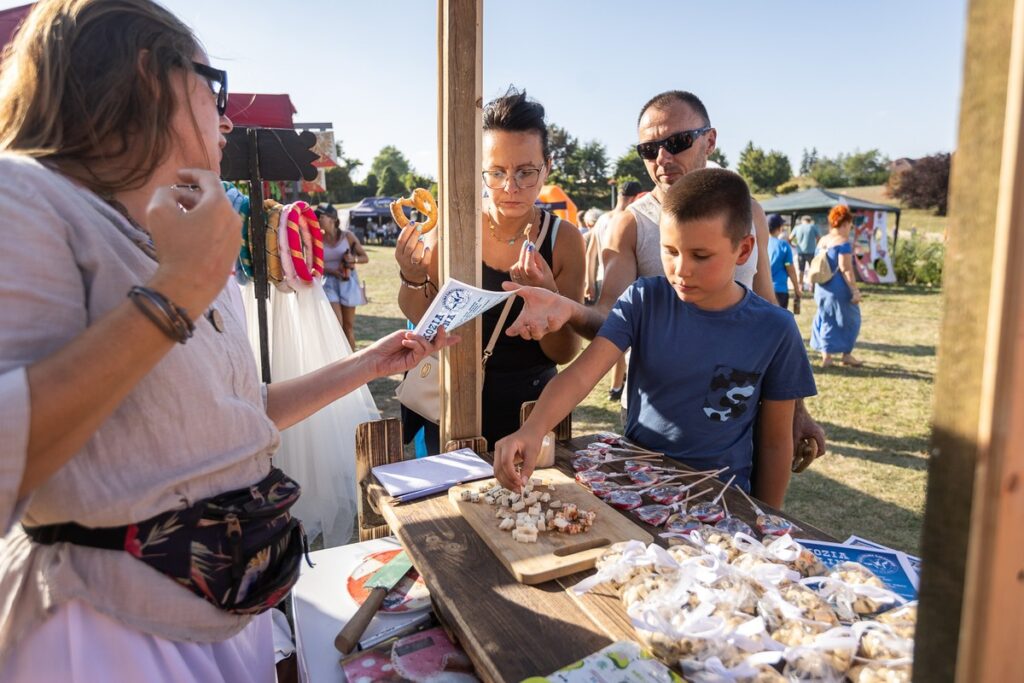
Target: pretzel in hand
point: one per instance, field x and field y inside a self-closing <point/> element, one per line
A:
<point x="422" y="201"/>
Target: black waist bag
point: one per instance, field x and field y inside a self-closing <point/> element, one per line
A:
<point x="240" y="550"/>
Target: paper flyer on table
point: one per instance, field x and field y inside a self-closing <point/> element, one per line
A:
<point x="891" y="566"/>
<point x="456" y="304"/>
<point x="915" y="562"/>
<point x="410" y="479"/>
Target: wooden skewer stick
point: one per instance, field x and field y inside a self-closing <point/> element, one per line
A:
<point x="701" y="480"/>
<point x="694" y="495"/>
<point x="722" y="492"/>
<point x="753" y="505"/>
<point x="599" y="445"/>
<point x="644" y="488"/>
<point x="632" y="445"/>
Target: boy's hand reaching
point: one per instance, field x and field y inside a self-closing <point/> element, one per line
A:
<point x="543" y="312"/>
<point x="520" y="447"/>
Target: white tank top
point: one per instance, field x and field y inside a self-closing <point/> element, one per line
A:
<point x="647" y="211"/>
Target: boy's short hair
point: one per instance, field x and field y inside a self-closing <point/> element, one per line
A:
<point x="710" y="193"/>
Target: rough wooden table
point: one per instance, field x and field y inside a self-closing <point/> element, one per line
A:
<point x="510" y="630"/>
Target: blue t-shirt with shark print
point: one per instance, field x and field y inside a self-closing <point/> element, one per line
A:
<point x="696" y="377"/>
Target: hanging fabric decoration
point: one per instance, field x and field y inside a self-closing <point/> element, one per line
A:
<point x="290" y="281"/>
<point x="305" y="241"/>
<point x="240" y="203"/>
<point x="318" y="452"/>
<point x="275" y="272"/>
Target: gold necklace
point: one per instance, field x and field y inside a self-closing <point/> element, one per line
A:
<point x="516" y="237"/>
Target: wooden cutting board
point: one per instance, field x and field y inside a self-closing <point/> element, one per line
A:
<point x="554" y="554"/>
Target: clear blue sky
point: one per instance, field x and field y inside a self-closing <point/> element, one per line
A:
<point x="838" y="76"/>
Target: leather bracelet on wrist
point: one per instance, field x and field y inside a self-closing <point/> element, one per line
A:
<point x="171" y="319"/>
<point x="406" y="282"/>
<point x="426" y="285"/>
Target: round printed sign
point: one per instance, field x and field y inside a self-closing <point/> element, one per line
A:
<point x="409" y="595"/>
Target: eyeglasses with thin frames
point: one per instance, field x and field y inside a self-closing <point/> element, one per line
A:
<point x="218" y="81"/>
<point x="524" y="178"/>
<point x="674" y="144"/>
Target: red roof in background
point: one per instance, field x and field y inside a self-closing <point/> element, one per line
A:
<point x="265" y="111"/>
<point x="9" y="21"/>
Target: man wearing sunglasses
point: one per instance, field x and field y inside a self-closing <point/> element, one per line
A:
<point x="676" y="138"/>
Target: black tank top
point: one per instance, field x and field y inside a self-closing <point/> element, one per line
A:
<point x="515" y="353"/>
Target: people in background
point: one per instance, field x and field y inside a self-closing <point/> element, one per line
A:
<point x="780" y="257"/>
<point x="836" y="324"/>
<point x="588" y="220"/>
<point x="804" y="237"/>
<point x="342" y="251"/>
<point x="628" y="193"/>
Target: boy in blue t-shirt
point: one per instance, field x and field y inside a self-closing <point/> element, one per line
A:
<point x="780" y="257"/>
<point x="709" y="356"/>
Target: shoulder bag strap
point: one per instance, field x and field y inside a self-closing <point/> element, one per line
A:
<point x="489" y="351"/>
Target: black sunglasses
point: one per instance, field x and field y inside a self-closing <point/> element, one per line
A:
<point x="675" y="143"/>
<point x="218" y="81"/>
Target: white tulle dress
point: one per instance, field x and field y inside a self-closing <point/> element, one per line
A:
<point x="318" y="452"/>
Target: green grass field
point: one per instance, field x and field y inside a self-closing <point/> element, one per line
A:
<point x="872" y="482"/>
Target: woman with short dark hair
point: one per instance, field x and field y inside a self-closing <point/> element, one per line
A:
<point x="147" y="532"/>
<point x="516" y="164"/>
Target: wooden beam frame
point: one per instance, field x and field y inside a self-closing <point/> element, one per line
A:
<point x="460" y="65"/>
<point x="972" y="582"/>
<point x="993" y="623"/>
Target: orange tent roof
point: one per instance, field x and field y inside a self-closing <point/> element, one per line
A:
<point x="554" y="199"/>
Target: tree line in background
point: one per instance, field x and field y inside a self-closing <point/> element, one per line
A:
<point x="585" y="172"/>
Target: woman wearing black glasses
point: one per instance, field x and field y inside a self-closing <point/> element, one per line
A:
<point x="516" y="164"/>
<point x="146" y="533"/>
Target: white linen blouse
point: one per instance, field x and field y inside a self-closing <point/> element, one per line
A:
<point x="195" y="426"/>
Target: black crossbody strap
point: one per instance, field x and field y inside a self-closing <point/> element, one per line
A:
<point x="107" y="538"/>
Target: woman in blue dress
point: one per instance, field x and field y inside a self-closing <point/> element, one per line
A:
<point x="837" y="322"/>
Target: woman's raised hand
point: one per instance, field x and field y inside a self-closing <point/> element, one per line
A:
<point x="531" y="270"/>
<point x="196" y="234"/>
<point x="413" y="252"/>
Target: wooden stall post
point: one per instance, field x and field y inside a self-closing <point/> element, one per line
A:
<point x="972" y="582"/>
<point x="377" y="443"/>
<point x="460" y="65"/>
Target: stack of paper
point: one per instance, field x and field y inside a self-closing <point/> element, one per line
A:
<point x="411" y="479"/>
<point x="896" y="569"/>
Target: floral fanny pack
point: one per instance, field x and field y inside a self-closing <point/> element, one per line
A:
<point x="239" y="550"/>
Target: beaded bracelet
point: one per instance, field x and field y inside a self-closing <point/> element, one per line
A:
<point x="172" y="320"/>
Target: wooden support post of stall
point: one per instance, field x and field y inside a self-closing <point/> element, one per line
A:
<point x="460" y="63"/>
<point x="971" y="625"/>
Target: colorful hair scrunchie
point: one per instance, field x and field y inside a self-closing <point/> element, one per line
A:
<point x="305" y="241"/>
